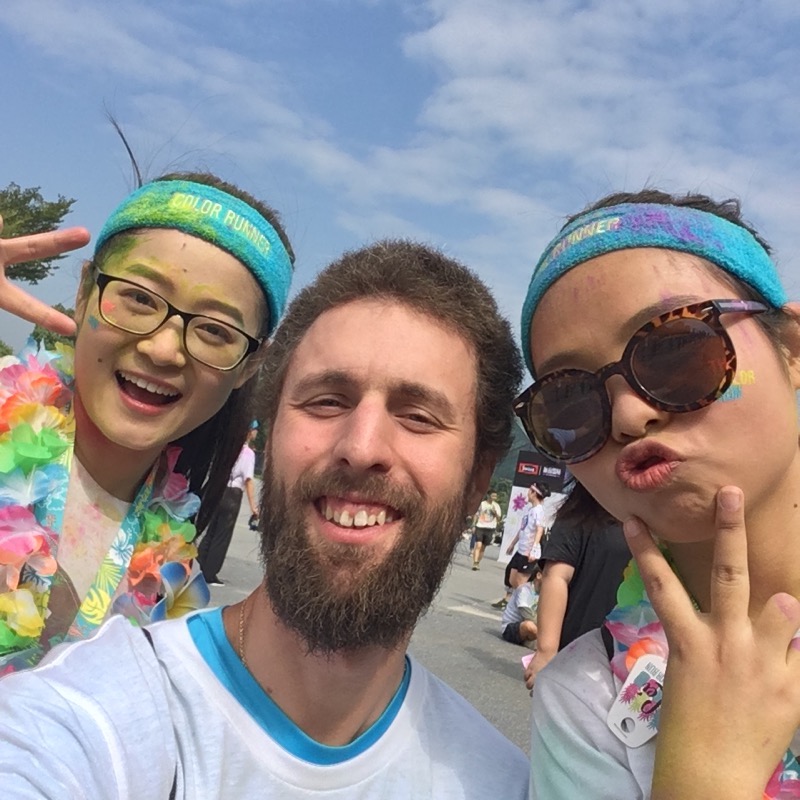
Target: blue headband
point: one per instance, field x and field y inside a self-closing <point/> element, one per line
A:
<point x="216" y="217"/>
<point x="687" y="230"/>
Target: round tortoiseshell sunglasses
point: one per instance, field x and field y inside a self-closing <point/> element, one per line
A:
<point x="680" y="361"/>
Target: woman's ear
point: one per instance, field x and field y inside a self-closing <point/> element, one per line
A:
<point x="790" y="339"/>
<point x="253" y="365"/>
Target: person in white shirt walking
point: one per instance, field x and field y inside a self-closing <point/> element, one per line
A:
<point x="525" y="548"/>
<point x="489" y="516"/>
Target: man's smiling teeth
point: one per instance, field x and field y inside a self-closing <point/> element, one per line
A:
<point x="358" y="519"/>
<point x="150" y="387"/>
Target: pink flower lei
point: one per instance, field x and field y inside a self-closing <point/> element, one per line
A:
<point x="36" y="438"/>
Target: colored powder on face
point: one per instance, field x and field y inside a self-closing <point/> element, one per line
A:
<point x="93" y="322"/>
<point x="107" y="306"/>
<point x="733" y="393"/>
<point x="744" y="377"/>
<point x="116" y="249"/>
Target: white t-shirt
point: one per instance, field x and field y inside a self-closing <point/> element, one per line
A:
<point x="531" y="521"/>
<point x="112" y="718"/>
<point x="91" y="521"/>
<point x="489" y="513"/>
<point x="574" y="754"/>
<point x="522" y="605"/>
<point x="243" y="468"/>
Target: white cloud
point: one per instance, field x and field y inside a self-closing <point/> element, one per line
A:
<point x="133" y="42"/>
<point x="532" y="109"/>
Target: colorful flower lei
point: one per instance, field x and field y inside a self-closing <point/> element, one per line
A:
<point x="636" y="631"/>
<point x="37" y="431"/>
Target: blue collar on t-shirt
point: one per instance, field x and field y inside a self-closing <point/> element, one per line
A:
<point x="208" y="634"/>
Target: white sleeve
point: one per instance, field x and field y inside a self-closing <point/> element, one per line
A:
<point x="68" y="729"/>
<point x="573" y="752"/>
<point x="249" y="466"/>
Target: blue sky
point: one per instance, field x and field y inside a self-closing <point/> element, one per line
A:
<point x="474" y="125"/>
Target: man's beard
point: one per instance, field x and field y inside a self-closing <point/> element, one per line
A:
<point x="337" y="596"/>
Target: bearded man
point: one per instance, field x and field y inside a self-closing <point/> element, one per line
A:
<point x="388" y="404"/>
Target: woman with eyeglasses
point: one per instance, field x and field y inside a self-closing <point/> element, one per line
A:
<point x="104" y="448"/>
<point x="666" y="360"/>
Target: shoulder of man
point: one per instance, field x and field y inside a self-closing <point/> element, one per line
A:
<point x="491" y="765"/>
<point x="99" y="708"/>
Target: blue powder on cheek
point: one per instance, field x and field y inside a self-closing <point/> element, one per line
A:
<point x="744" y="377"/>
<point x="733" y="393"/>
<point x="93" y="322"/>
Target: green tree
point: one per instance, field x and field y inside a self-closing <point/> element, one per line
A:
<point x="5" y="350"/>
<point x="48" y="339"/>
<point x="25" y="212"/>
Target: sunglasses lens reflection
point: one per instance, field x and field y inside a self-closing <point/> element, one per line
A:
<point x="681" y="362"/>
<point x="567" y="415"/>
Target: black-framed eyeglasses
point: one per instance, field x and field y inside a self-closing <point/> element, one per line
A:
<point x="136" y="309"/>
<point x="680" y="361"/>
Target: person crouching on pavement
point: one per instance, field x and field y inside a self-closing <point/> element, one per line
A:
<point x="519" y="624"/>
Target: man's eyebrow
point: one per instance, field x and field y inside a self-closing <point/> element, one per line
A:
<point x="426" y="395"/>
<point x="207" y="304"/>
<point x="325" y="379"/>
<point x="404" y="390"/>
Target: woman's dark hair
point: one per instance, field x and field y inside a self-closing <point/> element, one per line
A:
<point x="542" y="489"/>
<point x="209" y="452"/>
<point x="534" y="569"/>
<point x="580" y="509"/>
<point x="772" y="322"/>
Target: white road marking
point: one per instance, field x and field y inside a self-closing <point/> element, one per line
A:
<point x="476" y="612"/>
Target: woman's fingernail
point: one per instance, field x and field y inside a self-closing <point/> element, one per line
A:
<point x="632" y="527"/>
<point x="787" y="604"/>
<point x="730" y="498"/>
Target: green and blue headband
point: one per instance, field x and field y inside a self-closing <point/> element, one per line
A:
<point x="731" y="247"/>
<point x="216" y="217"/>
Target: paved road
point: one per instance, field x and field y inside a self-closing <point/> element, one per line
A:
<point x="458" y="639"/>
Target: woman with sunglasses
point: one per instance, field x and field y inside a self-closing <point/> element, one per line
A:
<point x="103" y="449"/>
<point x="666" y="360"/>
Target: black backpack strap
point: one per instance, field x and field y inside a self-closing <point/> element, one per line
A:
<point x="174" y="790"/>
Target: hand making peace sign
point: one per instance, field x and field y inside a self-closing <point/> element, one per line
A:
<point x="732" y="690"/>
<point x="27" y="248"/>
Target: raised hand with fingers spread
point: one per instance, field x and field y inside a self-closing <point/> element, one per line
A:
<point x="28" y="248"/>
